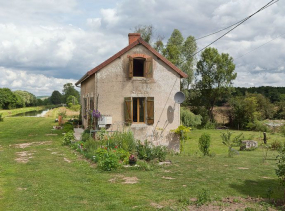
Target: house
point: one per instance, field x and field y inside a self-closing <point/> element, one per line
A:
<point x="136" y="87"/>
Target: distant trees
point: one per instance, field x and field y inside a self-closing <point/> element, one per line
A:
<point x="17" y="99"/>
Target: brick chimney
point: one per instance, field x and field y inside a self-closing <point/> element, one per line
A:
<point x="133" y="37"/>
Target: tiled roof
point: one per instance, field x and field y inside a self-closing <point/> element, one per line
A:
<point x="126" y="49"/>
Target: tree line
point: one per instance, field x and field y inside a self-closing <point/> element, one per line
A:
<point x="20" y="99"/>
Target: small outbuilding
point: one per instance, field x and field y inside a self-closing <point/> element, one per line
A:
<point x="135" y="87"/>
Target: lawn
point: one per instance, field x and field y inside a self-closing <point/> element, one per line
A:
<point x="48" y="176"/>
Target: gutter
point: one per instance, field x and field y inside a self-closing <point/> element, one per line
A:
<point x="82" y="79"/>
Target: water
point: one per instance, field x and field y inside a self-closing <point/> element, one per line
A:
<point x="40" y="113"/>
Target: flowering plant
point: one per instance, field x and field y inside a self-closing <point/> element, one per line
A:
<point x="96" y="114"/>
<point x="132" y="160"/>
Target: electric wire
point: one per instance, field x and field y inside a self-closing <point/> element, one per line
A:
<point x="230" y="25"/>
<point x="258" y="47"/>
<point x="262" y="8"/>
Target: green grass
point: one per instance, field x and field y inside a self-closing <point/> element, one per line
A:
<point x="48" y="182"/>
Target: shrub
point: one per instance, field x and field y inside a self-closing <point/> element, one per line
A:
<point x="276" y="145"/>
<point x="67" y="127"/>
<point x="226" y="138"/>
<point x="204" y="144"/>
<point x="183" y="132"/>
<point x="109" y="161"/>
<point x="257" y="126"/>
<point x="149" y="152"/>
<point x="68" y="138"/>
<point x="280" y="171"/>
<point x="1" y="118"/>
<point x="189" y="119"/>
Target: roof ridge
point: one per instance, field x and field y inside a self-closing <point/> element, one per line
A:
<point x="126" y="49"/>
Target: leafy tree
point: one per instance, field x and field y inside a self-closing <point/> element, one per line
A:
<point x="56" y="97"/>
<point x="180" y="52"/>
<point x="214" y="77"/>
<point x="8" y="99"/>
<point x="146" y="32"/>
<point x="28" y="98"/>
<point x="68" y="89"/>
<point x="71" y="100"/>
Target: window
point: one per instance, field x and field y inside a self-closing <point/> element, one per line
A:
<point x="91" y="103"/>
<point x="140" y="67"/>
<point x="85" y="107"/>
<point x="139" y="110"/>
<point x="139" y="64"/>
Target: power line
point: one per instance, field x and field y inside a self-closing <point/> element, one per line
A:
<point x="259" y="46"/>
<point x="262" y="8"/>
<point x="230" y="25"/>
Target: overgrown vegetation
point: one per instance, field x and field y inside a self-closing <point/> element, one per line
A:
<point x="111" y="151"/>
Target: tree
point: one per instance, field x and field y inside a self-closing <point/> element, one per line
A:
<point x="8" y="99"/>
<point x="68" y="89"/>
<point x="28" y="98"/>
<point x="56" y="97"/>
<point x="71" y="100"/>
<point x="146" y="32"/>
<point x="214" y="77"/>
<point x="180" y="52"/>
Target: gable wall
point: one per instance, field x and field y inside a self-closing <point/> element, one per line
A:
<point x="113" y="85"/>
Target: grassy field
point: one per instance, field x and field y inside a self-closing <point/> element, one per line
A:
<point x="37" y="173"/>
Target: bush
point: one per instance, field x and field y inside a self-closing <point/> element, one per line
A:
<point x="276" y="145"/>
<point x="1" y="118"/>
<point x="230" y="143"/>
<point x="280" y="171"/>
<point x="189" y="119"/>
<point x="257" y="126"/>
<point x="109" y="161"/>
<point x="67" y="127"/>
<point x="149" y="152"/>
<point x="204" y="144"/>
<point x="68" y="138"/>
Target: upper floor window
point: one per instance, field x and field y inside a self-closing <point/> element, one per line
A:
<point x="140" y="66"/>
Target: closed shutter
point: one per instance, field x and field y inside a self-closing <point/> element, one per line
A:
<point x="128" y="110"/>
<point x="150" y="110"/>
<point x="148" y="70"/>
<point x="131" y="67"/>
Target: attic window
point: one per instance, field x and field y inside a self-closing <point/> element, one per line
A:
<point x="140" y="67"/>
<point x="139" y="64"/>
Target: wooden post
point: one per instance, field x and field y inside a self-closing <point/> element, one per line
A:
<point x="264" y="138"/>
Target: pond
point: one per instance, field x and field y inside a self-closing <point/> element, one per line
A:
<point x="40" y="113"/>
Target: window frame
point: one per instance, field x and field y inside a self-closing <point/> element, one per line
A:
<point x="138" y="110"/>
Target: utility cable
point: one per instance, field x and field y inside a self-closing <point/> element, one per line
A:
<point x="262" y="8"/>
<point x="259" y="47"/>
<point x="230" y="25"/>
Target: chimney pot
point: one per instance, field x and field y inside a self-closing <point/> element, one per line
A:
<point x="133" y="37"/>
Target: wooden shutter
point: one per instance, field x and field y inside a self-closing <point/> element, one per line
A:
<point x="128" y="110"/>
<point x="131" y="67"/>
<point x="150" y="110"/>
<point x="148" y="70"/>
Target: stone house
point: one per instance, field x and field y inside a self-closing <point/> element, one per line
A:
<point x="135" y="87"/>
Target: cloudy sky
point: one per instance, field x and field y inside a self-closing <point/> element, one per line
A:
<point x="47" y="43"/>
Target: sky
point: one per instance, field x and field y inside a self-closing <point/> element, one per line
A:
<point x="47" y="43"/>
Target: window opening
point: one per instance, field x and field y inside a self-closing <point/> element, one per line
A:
<point x="138" y="67"/>
<point x="92" y="103"/>
<point x="138" y="109"/>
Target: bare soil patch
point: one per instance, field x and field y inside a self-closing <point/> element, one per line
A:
<point x="66" y="160"/>
<point x="24" y="157"/>
<point x="169" y="178"/>
<point x="25" y="145"/>
<point x="130" y="180"/>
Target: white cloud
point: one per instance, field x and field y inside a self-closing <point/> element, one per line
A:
<point x="37" y="84"/>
